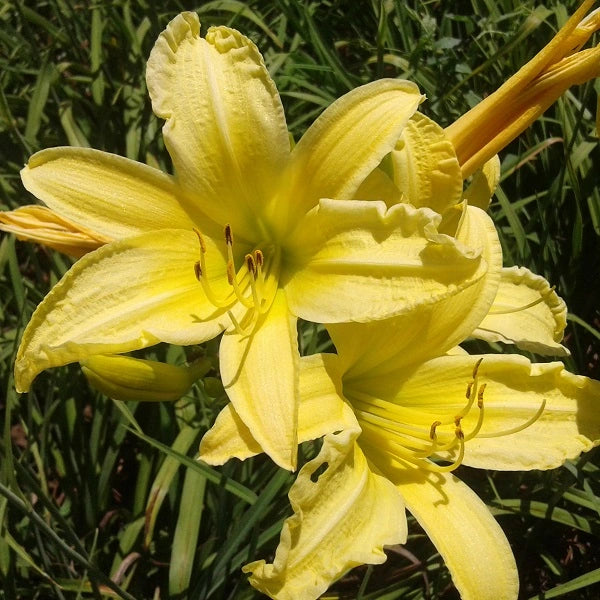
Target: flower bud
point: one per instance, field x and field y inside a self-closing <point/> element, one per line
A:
<point x="126" y="378"/>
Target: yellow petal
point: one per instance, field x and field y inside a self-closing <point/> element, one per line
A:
<point x="225" y="128"/>
<point x="378" y="186"/>
<point x="483" y="184"/>
<point x="127" y="378"/>
<point x="526" y="312"/>
<point x="110" y="195"/>
<point x="373" y="349"/>
<point x="515" y="393"/>
<point x="349" y="140"/>
<point x="321" y="410"/>
<point x="127" y="295"/>
<point x="425" y="166"/>
<point x="260" y="375"/>
<point x="463" y="530"/>
<point x="568" y="425"/>
<point x="43" y="226"/>
<point x="357" y="261"/>
<point x="344" y="515"/>
<point x="503" y="115"/>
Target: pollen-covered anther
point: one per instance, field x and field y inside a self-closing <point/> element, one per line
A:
<point x="228" y="235"/>
<point x="434" y="426"/>
<point x="259" y="259"/>
<point x="251" y="265"/>
<point x="480" y="395"/>
<point x="458" y="432"/>
<point x="198" y="270"/>
<point x="476" y="367"/>
<point x="469" y="390"/>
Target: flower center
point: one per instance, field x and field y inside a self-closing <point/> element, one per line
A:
<point x="250" y="286"/>
<point x="415" y="438"/>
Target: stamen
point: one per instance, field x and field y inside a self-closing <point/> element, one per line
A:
<point x="250" y="265"/>
<point x="469" y="389"/>
<point x="252" y="270"/>
<point x="228" y="235"/>
<point x="200" y="272"/>
<point x="480" y="395"/>
<point x="231" y="274"/>
<point x="410" y="437"/>
<point x="431" y="466"/>
<point x="476" y="367"/>
<point x="434" y="426"/>
<point x="479" y="423"/>
<point x="253" y="276"/>
<point x="259" y="259"/>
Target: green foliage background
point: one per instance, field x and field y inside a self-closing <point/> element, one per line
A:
<point x="100" y="497"/>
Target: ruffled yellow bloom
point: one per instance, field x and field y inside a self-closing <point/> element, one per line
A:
<point x="407" y="407"/>
<point x="247" y="237"/>
<point x="498" y="119"/>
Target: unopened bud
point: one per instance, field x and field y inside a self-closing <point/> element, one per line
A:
<point x="126" y="378"/>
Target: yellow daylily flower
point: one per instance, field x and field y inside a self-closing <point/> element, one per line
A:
<point x="44" y="226"/>
<point x="498" y="119"/>
<point x="248" y="236"/>
<point x="409" y="408"/>
<point x="502" y="413"/>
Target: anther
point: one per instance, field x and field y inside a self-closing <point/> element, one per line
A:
<point x="228" y="235"/>
<point x="259" y="259"/>
<point x="476" y="367"/>
<point x="434" y="426"/>
<point x="251" y="265"/>
<point x="480" y="395"/>
<point x="469" y="390"/>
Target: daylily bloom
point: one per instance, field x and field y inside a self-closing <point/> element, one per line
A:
<point x="498" y="119"/>
<point x="402" y="407"/>
<point x="246" y="238"/>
